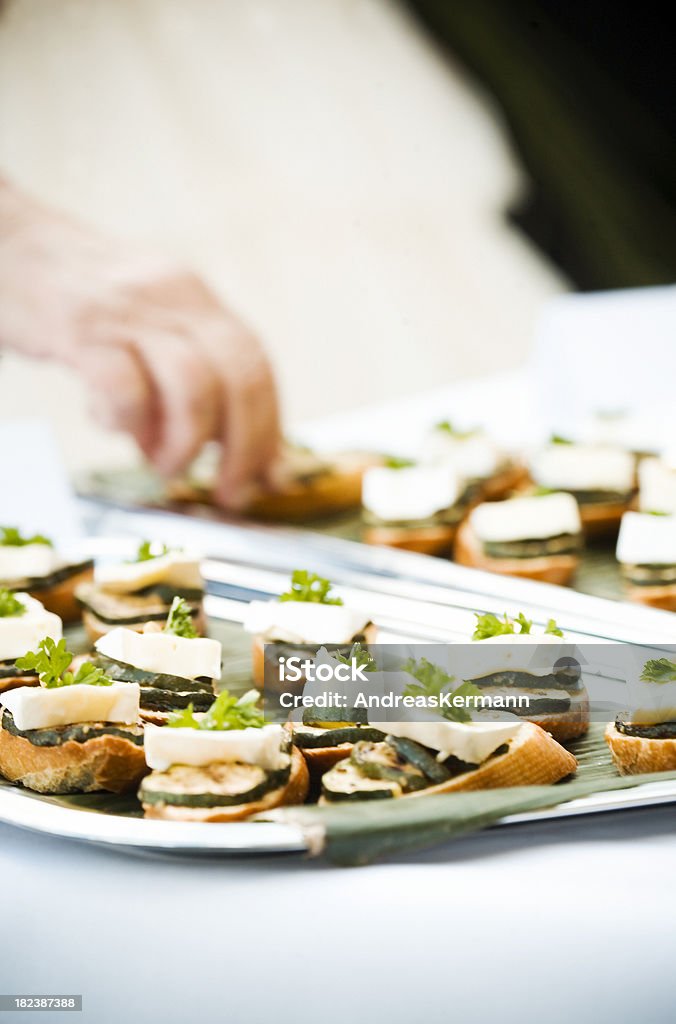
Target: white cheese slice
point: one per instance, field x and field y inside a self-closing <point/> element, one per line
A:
<point x="528" y="518"/>
<point x="657" y="486"/>
<point x="517" y="652"/>
<point x="578" y="467"/>
<point x="22" y="633"/>
<point x="646" y="539"/>
<point x="175" y="569"/>
<point x="302" y="622"/>
<point x="410" y="493"/>
<point x="28" y="561"/>
<point x="165" y="747"/>
<point x="652" y="702"/>
<point x="164" y="653"/>
<point x="473" y="458"/>
<point x="472" y="742"/>
<point x="35" y="707"/>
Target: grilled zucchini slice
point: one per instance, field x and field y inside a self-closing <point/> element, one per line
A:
<point x="312" y="738"/>
<point x="216" y="785"/>
<point x="123" y="673"/>
<point x="383" y="761"/>
<point x="346" y="782"/>
<point x="78" y="733"/>
<point x="420" y="758"/>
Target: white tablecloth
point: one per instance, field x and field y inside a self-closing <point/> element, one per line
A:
<point x="568" y="921"/>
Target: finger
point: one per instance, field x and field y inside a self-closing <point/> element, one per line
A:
<point x="121" y="393"/>
<point x="249" y="425"/>
<point x="186" y="398"/>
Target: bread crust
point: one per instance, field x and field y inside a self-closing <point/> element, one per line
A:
<point x="601" y="519"/>
<point x="320" y="759"/>
<point x="506" y="480"/>
<point x="558" y="569"/>
<point x="294" y="792"/>
<point x="60" y="597"/>
<point x="97" y="628"/>
<point x="103" y="763"/>
<point x="635" y="755"/>
<point x="534" y="758"/>
<point x="425" y="540"/>
<point x="654" y="597"/>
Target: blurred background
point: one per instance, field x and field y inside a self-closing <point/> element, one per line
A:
<point x="389" y="193"/>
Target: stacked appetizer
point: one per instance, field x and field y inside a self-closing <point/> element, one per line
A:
<point x="307" y="486"/>
<point x="558" y="701"/>
<point x="413" y="506"/>
<point x="306" y="614"/>
<point x="537" y="536"/>
<point x="30" y="564"/>
<point x="600" y="477"/>
<point x="326" y="735"/>
<point x="224" y="765"/>
<point x="475" y="458"/>
<point x="77" y="732"/>
<point x="172" y="665"/>
<point x="645" y="740"/>
<point x="646" y="551"/>
<point x="131" y="594"/>
<point x="23" y="624"/>
<point x="446" y="752"/>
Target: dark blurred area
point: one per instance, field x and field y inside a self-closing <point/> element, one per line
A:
<point x="587" y="91"/>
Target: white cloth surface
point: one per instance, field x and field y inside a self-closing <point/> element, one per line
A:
<point x="567" y="921"/>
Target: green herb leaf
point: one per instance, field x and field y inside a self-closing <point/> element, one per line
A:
<point x="149" y="549"/>
<point x="225" y="714"/>
<point x="51" y="661"/>
<point x="433" y="681"/>
<point x="659" y="670"/>
<point x="10" y="606"/>
<point x="656" y="512"/>
<point x="557" y="439"/>
<point x="398" y="462"/>
<point x="12" y="538"/>
<point x="358" y="655"/>
<point x="447" y="428"/>
<point x="490" y="625"/>
<point x="552" y="628"/>
<point x="307" y="586"/>
<point x="540" y="492"/>
<point x="179" y="620"/>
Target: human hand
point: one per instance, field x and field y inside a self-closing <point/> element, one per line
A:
<point x="162" y="358"/>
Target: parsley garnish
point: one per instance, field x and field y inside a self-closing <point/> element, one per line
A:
<point x="447" y="427"/>
<point x="433" y="681"/>
<point x="10" y="606"/>
<point x="179" y="620"/>
<point x="656" y="512"/>
<point x="309" y="587"/>
<point x="51" y="661"/>
<point x="398" y="462"/>
<point x="361" y="657"/>
<point x="227" y="713"/>
<point x="10" y="537"/>
<point x="490" y="625"/>
<point x="557" y="439"/>
<point x="659" y="670"/>
<point x="149" y="549"/>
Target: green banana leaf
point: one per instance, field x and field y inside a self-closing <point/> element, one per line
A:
<point x="362" y="833"/>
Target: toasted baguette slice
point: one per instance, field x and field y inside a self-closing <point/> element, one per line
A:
<point x="320" y="759"/>
<point x="634" y="755"/>
<point x="294" y="792"/>
<point x="534" y="758"/>
<point x="504" y="482"/>
<point x="59" y="597"/>
<point x="258" y="646"/>
<point x="103" y="763"/>
<point x="426" y="540"/>
<point x="547" y="568"/>
<point x="655" y="597"/>
<point x="599" y="520"/>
